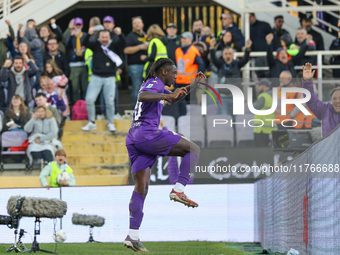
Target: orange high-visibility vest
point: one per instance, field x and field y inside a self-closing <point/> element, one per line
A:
<point x="304" y="121"/>
<point x="289" y="107"/>
<point x="186" y="67"/>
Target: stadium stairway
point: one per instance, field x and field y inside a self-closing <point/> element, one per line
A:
<point x="98" y="157"/>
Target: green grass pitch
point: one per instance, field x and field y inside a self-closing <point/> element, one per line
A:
<point x="159" y="248"/>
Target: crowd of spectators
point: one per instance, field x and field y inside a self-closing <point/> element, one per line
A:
<point x="45" y="71"/>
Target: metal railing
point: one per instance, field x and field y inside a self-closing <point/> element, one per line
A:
<point x="320" y="66"/>
<point x="9" y="6"/>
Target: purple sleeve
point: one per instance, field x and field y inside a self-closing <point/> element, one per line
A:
<point x="314" y="104"/>
<point x="61" y="105"/>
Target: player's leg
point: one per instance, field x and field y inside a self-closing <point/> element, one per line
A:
<point x="142" y="181"/>
<point x="190" y="153"/>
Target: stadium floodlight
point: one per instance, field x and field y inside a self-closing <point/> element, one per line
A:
<point x="291" y="140"/>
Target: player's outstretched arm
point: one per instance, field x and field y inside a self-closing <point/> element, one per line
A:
<point x="147" y="96"/>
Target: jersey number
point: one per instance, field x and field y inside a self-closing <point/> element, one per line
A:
<point x="138" y="110"/>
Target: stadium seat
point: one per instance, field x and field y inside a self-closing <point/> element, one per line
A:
<point x="220" y="135"/>
<point x="187" y="120"/>
<point x="194" y="109"/>
<point x="244" y="134"/>
<point x="192" y="127"/>
<point x="169" y="122"/>
<point x="194" y="134"/>
<point x="212" y="109"/>
<point x="12" y="139"/>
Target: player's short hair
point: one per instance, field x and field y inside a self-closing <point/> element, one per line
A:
<point x="159" y="65"/>
<point x="60" y="153"/>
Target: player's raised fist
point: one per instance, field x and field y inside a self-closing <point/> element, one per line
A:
<point x="308" y="74"/>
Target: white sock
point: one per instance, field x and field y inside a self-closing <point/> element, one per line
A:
<point x="134" y="234"/>
<point x="179" y="187"/>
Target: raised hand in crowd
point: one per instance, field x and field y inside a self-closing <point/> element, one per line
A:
<point x="22" y="33"/>
<point x="8" y="34"/>
<point x="212" y="43"/>
<point x="308" y="74"/>
<point x="249" y="44"/>
<point x="269" y="38"/>
<point x="20" y="26"/>
<point x="92" y="30"/>
<point x="25" y="57"/>
<point x="71" y="24"/>
<point x="8" y="63"/>
<point x="8" y="22"/>
<point x="117" y="30"/>
<point x="34" y="115"/>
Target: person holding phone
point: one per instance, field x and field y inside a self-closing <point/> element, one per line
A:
<point x="16" y="117"/>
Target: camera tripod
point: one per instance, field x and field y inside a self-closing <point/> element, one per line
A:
<point x="15" y="247"/>
<point x="91" y="240"/>
<point x="35" y="245"/>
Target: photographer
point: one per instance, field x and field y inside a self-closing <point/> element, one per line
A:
<point x="328" y="113"/>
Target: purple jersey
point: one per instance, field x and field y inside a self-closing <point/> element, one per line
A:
<point x="147" y="114"/>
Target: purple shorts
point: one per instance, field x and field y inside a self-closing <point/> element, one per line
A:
<point x="144" y="154"/>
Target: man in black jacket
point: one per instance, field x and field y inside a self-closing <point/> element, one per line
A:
<point x="258" y="31"/>
<point x="59" y="57"/>
<point x="230" y="72"/>
<point x="104" y="66"/>
<point x="174" y="41"/>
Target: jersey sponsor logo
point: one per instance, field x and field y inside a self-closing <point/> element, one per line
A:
<point x="161" y="102"/>
<point x="149" y="86"/>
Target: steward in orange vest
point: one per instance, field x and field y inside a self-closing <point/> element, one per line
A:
<point x="189" y="63"/>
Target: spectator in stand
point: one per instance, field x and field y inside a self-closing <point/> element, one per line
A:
<point x="328" y="113"/>
<point x="105" y="63"/>
<point x="306" y="22"/>
<point x="18" y="78"/>
<point x="41" y="99"/>
<point x="47" y="33"/>
<point x="189" y="63"/>
<point x="157" y="47"/>
<point x="78" y="76"/>
<point x="53" y="98"/>
<point x="174" y="41"/>
<point x="335" y="60"/>
<point x="301" y="37"/>
<point x="43" y="83"/>
<point x="258" y="32"/>
<point x="51" y="69"/>
<point x="53" y="169"/>
<point x="16" y="117"/>
<point x="202" y="46"/>
<point x="4" y="48"/>
<point x="264" y="102"/>
<point x="136" y="46"/>
<point x="283" y="60"/>
<point x="229" y="25"/>
<point x="43" y="141"/>
<point x="228" y="39"/>
<point x="24" y="49"/>
<point x="109" y="24"/>
<point x="29" y="36"/>
<point x="58" y="56"/>
<point x="278" y="31"/>
<point x="206" y="34"/>
<point x="228" y="68"/>
<point x="30" y="24"/>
